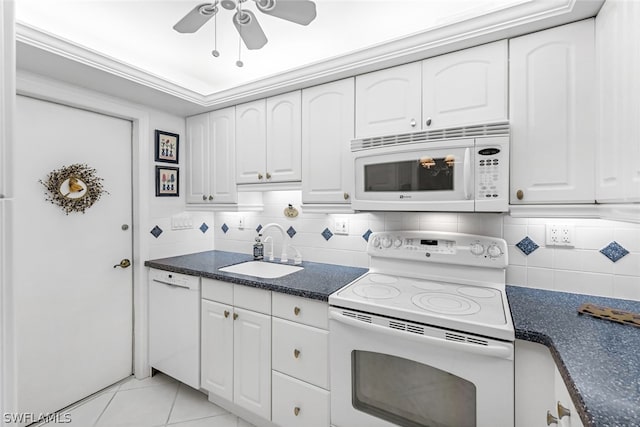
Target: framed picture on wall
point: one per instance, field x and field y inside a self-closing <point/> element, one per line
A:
<point x="167" y="181"/>
<point x="167" y="146"/>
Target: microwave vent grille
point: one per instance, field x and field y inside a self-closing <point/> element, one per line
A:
<point x="471" y="131"/>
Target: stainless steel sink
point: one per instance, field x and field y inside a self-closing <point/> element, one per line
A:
<point x="265" y="270"/>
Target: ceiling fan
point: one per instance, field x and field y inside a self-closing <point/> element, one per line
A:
<point x="297" y="11"/>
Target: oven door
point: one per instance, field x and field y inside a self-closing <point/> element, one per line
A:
<point x="423" y="176"/>
<point x="388" y="373"/>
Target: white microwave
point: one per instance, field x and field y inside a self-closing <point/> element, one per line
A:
<point x="456" y="175"/>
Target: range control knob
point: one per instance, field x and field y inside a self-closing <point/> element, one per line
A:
<point x="494" y="251"/>
<point x="375" y="242"/>
<point x="386" y="242"/>
<point x="398" y="242"/>
<point x="477" y="248"/>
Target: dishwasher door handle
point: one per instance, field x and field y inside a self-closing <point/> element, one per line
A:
<point x="171" y="284"/>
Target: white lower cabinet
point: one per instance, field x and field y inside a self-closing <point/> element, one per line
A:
<point x="236" y="345"/>
<point x="297" y="403"/>
<point x="540" y="390"/>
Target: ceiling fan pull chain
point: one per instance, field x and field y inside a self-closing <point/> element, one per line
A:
<point x="239" y="62"/>
<point x="215" y="52"/>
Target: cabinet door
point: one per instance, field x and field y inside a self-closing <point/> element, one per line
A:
<point x="553" y="125"/>
<point x="562" y="397"/>
<point x="327" y="131"/>
<point x="296" y="403"/>
<point x="389" y="101"/>
<point x="222" y="178"/>
<point x="197" y="151"/>
<point x="534" y="384"/>
<point x="617" y="165"/>
<point x="465" y="87"/>
<point x="252" y="367"/>
<point x="251" y="142"/>
<point x="216" y="360"/>
<point x="283" y="138"/>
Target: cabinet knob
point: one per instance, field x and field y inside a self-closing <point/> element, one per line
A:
<point x="520" y="194"/>
<point x="346" y="196"/>
<point x="268" y="175"/>
<point x="563" y="412"/>
<point x="428" y="122"/>
<point x="296" y="310"/>
<point x="259" y="176"/>
<point x="413" y="123"/>
<point x="226" y="313"/>
<point x="204" y="197"/>
<point x="210" y="197"/>
<point x="551" y="419"/>
<point x="235" y="316"/>
<point x="296" y="411"/>
<point x="296" y="353"/>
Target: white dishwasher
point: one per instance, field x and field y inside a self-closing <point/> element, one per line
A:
<point x="174" y="325"/>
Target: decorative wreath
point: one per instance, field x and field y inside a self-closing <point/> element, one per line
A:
<point x="74" y="188"/>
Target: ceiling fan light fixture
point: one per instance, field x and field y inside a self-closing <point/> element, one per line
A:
<point x="228" y="4"/>
<point x="208" y="9"/>
<point x="265" y="5"/>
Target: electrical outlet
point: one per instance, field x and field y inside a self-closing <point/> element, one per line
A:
<point x="341" y="226"/>
<point x="560" y="235"/>
<point x="241" y="223"/>
<point x="182" y="221"/>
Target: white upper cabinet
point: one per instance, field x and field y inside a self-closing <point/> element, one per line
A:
<point x="268" y="140"/>
<point x="251" y="142"/>
<point x="465" y="87"/>
<point x="618" y="59"/>
<point x="327" y="131"/>
<point x="552" y="115"/>
<point x="211" y="158"/>
<point x="389" y="101"/>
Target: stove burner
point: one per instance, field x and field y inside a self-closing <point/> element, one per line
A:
<point x="376" y="291"/>
<point x="445" y="303"/>
<point x="428" y="286"/>
<point x="381" y="278"/>
<point x="477" y="292"/>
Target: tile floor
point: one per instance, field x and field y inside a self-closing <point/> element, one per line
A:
<point x="156" y="401"/>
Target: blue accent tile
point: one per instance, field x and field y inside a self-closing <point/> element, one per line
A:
<point x="527" y="245"/>
<point x="258" y="228"/>
<point x="614" y="251"/>
<point x="225" y="228"/>
<point x="291" y="232"/>
<point x="327" y="234"/>
<point x="156" y="231"/>
<point x="204" y="227"/>
<point x="366" y="235"/>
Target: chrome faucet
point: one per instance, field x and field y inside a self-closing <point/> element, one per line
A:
<point x="283" y="257"/>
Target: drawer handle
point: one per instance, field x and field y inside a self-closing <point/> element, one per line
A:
<point x="296" y="353"/>
<point x="296" y="310"/>
<point x="296" y="411"/>
<point x="226" y="314"/>
<point x="563" y="412"/>
<point x="235" y="316"/>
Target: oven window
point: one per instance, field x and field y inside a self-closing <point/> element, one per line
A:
<point x="410" y="394"/>
<point x="424" y="174"/>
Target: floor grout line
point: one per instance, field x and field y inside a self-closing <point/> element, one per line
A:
<point x="105" y="407"/>
<point x="173" y="404"/>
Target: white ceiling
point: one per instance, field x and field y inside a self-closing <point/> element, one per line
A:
<point x="139" y="33"/>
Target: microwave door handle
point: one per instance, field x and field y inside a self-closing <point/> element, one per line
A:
<point x="484" y="350"/>
<point x="467" y="173"/>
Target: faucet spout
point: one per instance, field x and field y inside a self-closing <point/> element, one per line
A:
<point x="283" y="257"/>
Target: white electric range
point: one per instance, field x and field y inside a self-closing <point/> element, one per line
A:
<point x="426" y="337"/>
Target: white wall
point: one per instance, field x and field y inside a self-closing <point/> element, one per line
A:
<point x="582" y="269"/>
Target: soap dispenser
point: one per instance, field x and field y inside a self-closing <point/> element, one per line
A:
<point x="258" y="248"/>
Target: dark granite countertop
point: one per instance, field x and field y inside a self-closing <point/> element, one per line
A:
<point x="599" y="360"/>
<point x="316" y="281"/>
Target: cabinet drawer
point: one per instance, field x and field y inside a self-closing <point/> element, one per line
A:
<point x="301" y="351"/>
<point x="297" y="404"/>
<point x="217" y="290"/>
<point x="302" y="310"/>
<point x="255" y="299"/>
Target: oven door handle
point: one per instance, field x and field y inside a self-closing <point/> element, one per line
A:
<point x="502" y="352"/>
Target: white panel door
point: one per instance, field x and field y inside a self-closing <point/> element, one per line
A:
<point x="465" y="87"/>
<point x="222" y="176"/>
<point x="284" y="161"/>
<point x="197" y="150"/>
<point x="553" y="124"/>
<point x="251" y="142"/>
<point x="217" y="349"/>
<point x="73" y="308"/>
<point x="389" y="101"/>
<point x="252" y="362"/>
<point x="327" y="131"/>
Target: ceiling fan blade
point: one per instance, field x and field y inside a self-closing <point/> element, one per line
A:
<point x="299" y="11"/>
<point x="249" y="29"/>
<point x="196" y="18"/>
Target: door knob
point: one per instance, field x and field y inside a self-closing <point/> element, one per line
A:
<point x="551" y="419"/>
<point x="520" y="194"/>
<point x="123" y="264"/>
<point x="563" y="412"/>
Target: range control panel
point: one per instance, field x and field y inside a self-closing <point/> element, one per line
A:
<point x="442" y="247"/>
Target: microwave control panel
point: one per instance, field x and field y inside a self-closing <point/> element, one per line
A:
<point x="492" y="175"/>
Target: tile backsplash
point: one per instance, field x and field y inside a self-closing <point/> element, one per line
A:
<point x="580" y="269"/>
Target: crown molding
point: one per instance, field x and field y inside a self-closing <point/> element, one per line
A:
<point x="521" y="18"/>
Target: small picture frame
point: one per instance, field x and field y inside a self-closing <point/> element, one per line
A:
<point x="167" y="181"/>
<point x="167" y="145"/>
